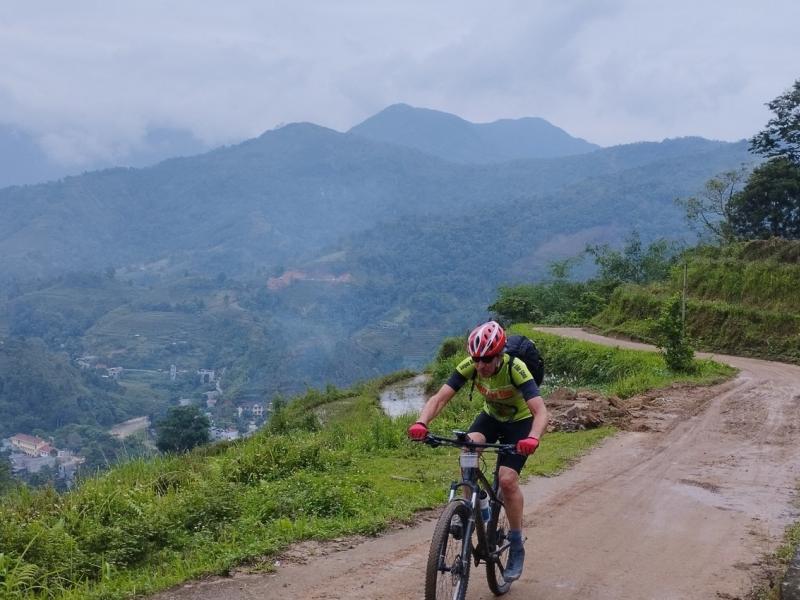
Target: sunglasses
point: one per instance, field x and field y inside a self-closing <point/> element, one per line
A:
<point x="484" y="359"/>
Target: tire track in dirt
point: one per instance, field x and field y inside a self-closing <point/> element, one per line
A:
<point x="685" y="511"/>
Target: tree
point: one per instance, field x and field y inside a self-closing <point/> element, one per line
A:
<point x="518" y="304"/>
<point x="781" y="136"/>
<point x="182" y="429"/>
<point x="560" y="270"/>
<point x="769" y="205"/>
<point x="709" y="211"/>
<point x="634" y="264"/>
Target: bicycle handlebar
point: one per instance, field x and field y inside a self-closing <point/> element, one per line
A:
<point x="461" y="440"/>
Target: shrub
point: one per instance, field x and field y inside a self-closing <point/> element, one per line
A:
<point x="673" y="341"/>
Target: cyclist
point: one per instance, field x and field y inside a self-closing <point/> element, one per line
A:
<point x="513" y="413"/>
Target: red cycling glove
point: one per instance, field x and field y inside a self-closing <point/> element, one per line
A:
<point x="527" y="446"/>
<point x="418" y="431"/>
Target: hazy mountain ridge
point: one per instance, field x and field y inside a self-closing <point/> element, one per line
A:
<point x="260" y="193"/>
<point x="258" y="204"/>
<point x="453" y="138"/>
<point x="409" y="229"/>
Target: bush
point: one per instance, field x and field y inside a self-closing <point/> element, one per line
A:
<point x="673" y="341"/>
<point x="450" y="347"/>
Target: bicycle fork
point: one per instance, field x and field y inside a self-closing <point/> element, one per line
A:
<point x="479" y="552"/>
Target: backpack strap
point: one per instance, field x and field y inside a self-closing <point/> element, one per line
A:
<point x="472" y="387"/>
<point x="511" y="359"/>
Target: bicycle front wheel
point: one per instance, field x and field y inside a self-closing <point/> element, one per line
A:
<point x="497" y="539"/>
<point x="449" y="558"/>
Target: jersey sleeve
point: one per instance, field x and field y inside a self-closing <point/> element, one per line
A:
<point x="464" y="371"/>
<point x="523" y="380"/>
<point x="456" y="380"/>
<point x="529" y="390"/>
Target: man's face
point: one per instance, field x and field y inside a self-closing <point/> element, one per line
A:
<point x="486" y="366"/>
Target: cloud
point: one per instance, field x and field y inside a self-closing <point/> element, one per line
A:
<point x="90" y="79"/>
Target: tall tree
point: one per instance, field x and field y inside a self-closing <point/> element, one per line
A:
<point x="182" y="429"/>
<point x="781" y="136"/>
<point x="769" y="205"/>
<point x="708" y="213"/>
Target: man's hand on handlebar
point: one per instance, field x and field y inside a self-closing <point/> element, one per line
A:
<point x="527" y="446"/>
<point x="418" y="431"/>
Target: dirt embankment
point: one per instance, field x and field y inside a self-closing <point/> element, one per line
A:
<point x="683" y="504"/>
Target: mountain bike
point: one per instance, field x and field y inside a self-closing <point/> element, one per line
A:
<point x="452" y="549"/>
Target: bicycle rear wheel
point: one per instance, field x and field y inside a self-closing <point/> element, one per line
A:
<point x="497" y="538"/>
<point x="447" y="572"/>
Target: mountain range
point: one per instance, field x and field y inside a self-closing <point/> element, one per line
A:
<point x="280" y="198"/>
<point x="25" y="161"/>
<point x="307" y="256"/>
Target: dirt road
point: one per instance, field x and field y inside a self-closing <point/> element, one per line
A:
<point x="129" y="427"/>
<point x="686" y="510"/>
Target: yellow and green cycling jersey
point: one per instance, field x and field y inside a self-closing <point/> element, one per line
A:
<point x="505" y="393"/>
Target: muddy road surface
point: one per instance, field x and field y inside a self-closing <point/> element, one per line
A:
<point x="685" y="510"/>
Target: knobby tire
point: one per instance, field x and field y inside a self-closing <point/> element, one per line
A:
<point x="496" y="537"/>
<point x="449" y="553"/>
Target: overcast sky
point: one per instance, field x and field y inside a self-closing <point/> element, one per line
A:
<point x="89" y="78"/>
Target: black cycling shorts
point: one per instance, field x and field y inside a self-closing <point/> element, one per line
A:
<point x="504" y="432"/>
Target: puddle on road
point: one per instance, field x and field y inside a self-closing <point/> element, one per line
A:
<point x="405" y="396"/>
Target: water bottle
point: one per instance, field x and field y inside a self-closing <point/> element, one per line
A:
<point x="483" y="500"/>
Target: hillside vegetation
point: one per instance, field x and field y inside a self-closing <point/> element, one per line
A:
<point x="330" y="464"/>
<point x="43" y="390"/>
<point x="741" y="299"/>
<point x="175" y="260"/>
<point x="172" y="264"/>
<point x="279" y="199"/>
<point x="191" y="322"/>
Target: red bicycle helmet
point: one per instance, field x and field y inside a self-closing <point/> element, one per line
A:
<point x="488" y="339"/>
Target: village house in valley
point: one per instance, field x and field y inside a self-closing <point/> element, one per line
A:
<point x="31" y="445"/>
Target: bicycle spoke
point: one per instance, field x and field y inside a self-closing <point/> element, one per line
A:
<point x="448" y="573"/>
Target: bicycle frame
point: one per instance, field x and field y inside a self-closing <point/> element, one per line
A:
<point x="474" y="480"/>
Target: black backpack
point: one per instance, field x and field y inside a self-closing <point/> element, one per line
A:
<point x="523" y="348"/>
<point x="518" y="346"/>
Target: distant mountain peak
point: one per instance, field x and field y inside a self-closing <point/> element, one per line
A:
<point x="298" y="128"/>
<point x="403" y="108"/>
<point x="455" y="139"/>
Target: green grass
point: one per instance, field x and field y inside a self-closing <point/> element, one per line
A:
<point x="150" y="524"/>
<point x="617" y="371"/>
<point x="713" y="325"/>
<point x="742" y="299"/>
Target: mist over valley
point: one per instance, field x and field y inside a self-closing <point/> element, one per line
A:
<point x="308" y="257"/>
